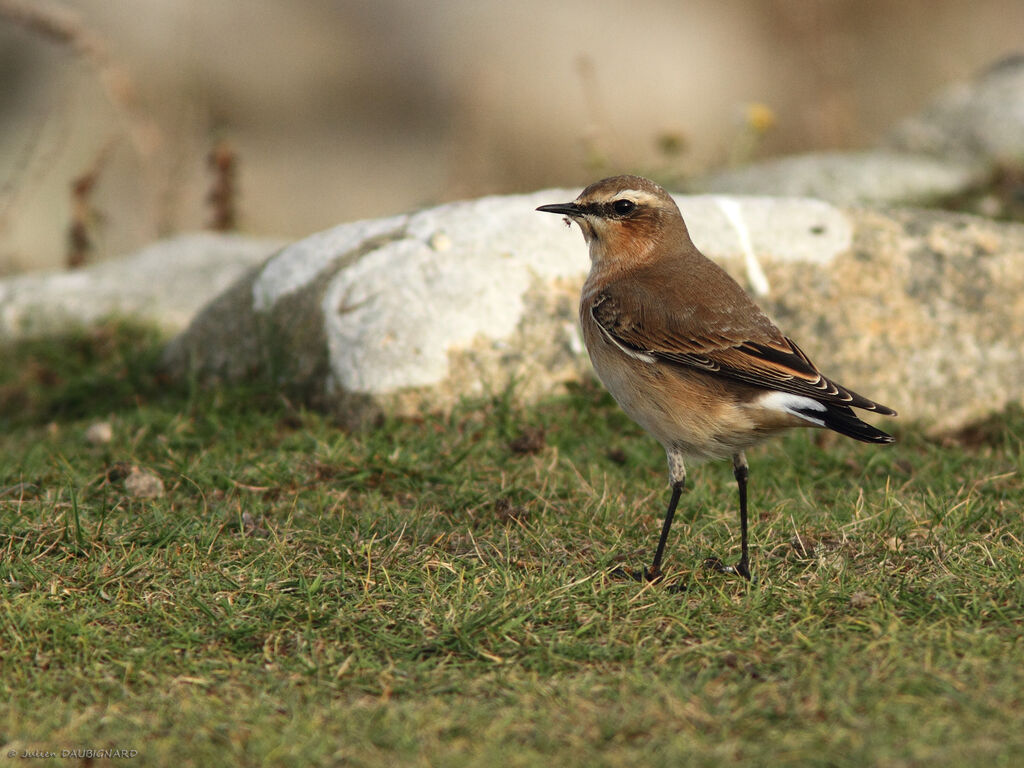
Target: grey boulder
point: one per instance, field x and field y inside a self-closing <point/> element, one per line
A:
<point x="165" y="284"/>
<point x="949" y="148"/>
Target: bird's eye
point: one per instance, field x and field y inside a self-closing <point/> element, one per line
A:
<point x="623" y="207"/>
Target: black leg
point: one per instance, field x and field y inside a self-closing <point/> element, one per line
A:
<point x="741" y="471"/>
<point x="654" y="573"/>
<point x="677" y="489"/>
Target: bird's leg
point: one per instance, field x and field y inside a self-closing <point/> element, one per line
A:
<point x="677" y="476"/>
<point x="654" y="572"/>
<point x="741" y="471"/>
<point x="677" y="489"/>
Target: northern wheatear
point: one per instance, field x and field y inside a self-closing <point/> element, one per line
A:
<point x="685" y="351"/>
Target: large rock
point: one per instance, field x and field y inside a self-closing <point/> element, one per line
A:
<point x="875" y="176"/>
<point x="981" y="120"/>
<point x="949" y="148"/>
<point x="165" y="284"/>
<point x="405" y="313"/>
<point x="921" y="310"/>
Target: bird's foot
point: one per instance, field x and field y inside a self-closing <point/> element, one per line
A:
<point x="742" y="567"/>
<point x="644" y="575"/>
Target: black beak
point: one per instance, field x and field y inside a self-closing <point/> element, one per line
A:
<point x="566" y="209"/>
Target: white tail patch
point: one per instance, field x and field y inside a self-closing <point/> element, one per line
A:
<point x="796" y="405"/>
<point x="733" y="212"/>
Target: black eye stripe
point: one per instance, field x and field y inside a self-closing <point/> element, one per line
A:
<point x="615" y="209"/>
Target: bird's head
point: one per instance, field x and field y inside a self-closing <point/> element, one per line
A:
<point x="623" y="217"/>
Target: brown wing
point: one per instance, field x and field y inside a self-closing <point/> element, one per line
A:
<point x="658" y="319"/>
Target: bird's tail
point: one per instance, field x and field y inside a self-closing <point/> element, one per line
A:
<point x="843" y="420"/>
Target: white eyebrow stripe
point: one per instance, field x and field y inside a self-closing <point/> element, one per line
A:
<point x="636" y="194"/>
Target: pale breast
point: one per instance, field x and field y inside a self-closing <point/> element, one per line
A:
<point x="686" y="410"/>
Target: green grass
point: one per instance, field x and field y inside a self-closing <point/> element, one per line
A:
<point x="436" y="592"/>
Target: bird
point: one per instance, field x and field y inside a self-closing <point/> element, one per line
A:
<point x="686" y="353"/>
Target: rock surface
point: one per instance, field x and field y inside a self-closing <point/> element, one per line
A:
<point x="882" y="177"/>
<point x="408" y="312"/>
<point x="981" y="120"/>
<point x="950" y="147"/>
<point x="920" y="310"/>
<point x="165" y="284"/>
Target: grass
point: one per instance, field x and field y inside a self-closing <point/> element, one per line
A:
<point x="436" y="592"/>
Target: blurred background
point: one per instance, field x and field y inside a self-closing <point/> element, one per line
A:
<point x="128" y="120"/>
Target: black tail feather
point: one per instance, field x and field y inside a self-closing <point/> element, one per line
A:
<point x="843" y="420"/>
